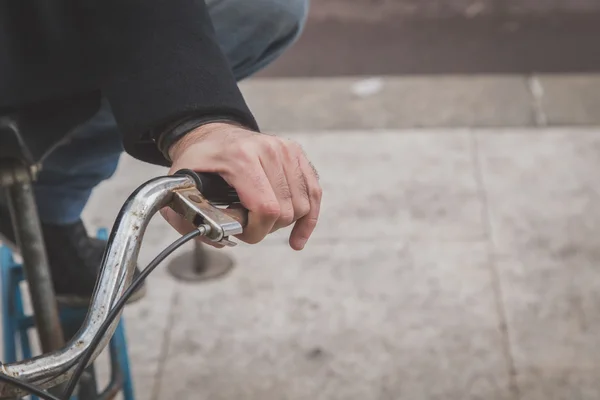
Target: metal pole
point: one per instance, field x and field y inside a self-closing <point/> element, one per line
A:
<point x="30" y="241"/>
<point x="201" y="265"/>
<point x="200" y="256"/>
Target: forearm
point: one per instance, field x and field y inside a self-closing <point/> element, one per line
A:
<point x="173" y="133"/>
<point x="161" y="64"/>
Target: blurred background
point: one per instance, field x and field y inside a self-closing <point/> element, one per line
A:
<point x="391" y="37"/>
<point x="457" y="256"/>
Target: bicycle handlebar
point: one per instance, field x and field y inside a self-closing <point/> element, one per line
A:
<point x="180" y="192"/>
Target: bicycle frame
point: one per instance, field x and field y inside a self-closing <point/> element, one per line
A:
<point x="178" y="192"/>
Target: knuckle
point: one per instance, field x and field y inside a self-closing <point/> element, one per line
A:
<point x="316" y="194"/>
<point x="288" y="146"/>
<point x="270" y="210"/>
<point x="270" y="147"/>
<point x="303" y="209"/>
<point x="287" y="216"/>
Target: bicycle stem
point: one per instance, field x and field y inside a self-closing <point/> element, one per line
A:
<point x="118" y="266"/>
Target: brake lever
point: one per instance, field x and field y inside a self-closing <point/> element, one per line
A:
<point x="194" y="207"/>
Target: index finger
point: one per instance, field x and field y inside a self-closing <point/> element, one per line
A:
<point x="258" y="197"/>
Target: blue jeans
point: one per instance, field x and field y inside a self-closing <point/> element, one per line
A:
<point x="252" y="33"/>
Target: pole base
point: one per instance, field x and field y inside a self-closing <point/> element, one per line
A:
<point x="200" y="265"/>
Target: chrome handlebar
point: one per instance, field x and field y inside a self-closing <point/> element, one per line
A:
<point x="120" y="258"/>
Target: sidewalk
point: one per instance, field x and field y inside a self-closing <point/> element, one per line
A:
<point x="448" y="264"/>
<point x="456" y="257"/>
<point x="445" y="101"/>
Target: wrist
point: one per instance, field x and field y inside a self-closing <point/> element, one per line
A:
<point x="198" y="134"/>
<point x="177" y="130"/>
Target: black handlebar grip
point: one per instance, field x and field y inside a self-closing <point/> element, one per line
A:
<point x="213" y="187"/>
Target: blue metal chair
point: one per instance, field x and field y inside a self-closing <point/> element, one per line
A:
<point x="16" y="324"/>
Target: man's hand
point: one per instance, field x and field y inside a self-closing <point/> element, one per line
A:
<point x="273" y="178"/>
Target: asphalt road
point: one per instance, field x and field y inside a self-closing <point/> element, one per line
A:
<point x="387" y="42"/>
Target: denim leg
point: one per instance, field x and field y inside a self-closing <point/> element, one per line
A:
<point x="71" y="172"/>
<point x="252" y="33"/>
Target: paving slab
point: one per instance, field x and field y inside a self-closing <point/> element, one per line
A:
<point x="571" y="99"/>
<point x="396" y="296"/>
<point x="543" y="194"/>
<point x="376" y="320"/>
<point x="408" y="102"/>
<point x="377" y="184"/>
<point x="354" y="103"/>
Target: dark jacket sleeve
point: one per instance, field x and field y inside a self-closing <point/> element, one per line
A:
<point x="159" y="61"/>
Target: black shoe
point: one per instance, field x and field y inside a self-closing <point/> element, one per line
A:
<point x="74" y="260"/>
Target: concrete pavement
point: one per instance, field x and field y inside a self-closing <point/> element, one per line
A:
<point x="456" y="257"/>
<point x="448" y="264"/>
<point x="401" y="102"/>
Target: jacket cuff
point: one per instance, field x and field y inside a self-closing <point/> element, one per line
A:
<point x="168" y="135"/>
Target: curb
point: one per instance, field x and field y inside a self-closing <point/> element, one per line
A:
<point x="359" y="103"/>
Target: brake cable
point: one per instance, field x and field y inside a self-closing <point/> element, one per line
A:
<point x="116" y="310"/>
<point x="211" y="222"/>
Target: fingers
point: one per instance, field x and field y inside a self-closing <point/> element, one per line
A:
<point x="296" y="186"/>
<point x="273" y="178"/>
<point x="305" y="225"/>
<point x="274" y="166"/>
<point x="296" y="181"/>
<point x="256" y="194"/>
